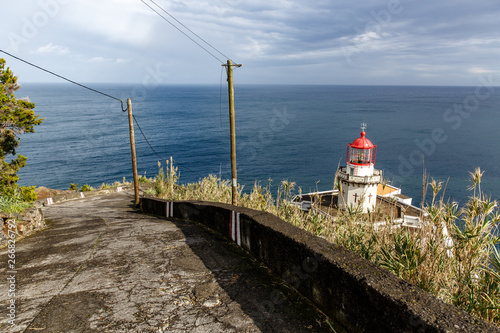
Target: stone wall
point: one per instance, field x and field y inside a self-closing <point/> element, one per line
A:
<point x="348" y="288"/>
<point x="24" y="224"/>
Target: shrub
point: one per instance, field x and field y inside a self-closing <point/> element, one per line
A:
<point x="143" y="179"/>
<point x="16" y="117"/>
<point x="125" y="182"/>
<point x="86" y="188"/>
<point x="163" y="185"/>
<point x="27" y="193"/>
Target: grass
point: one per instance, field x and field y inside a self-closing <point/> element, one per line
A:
<point x="14" y="204"/>
<point x="105" y="186"/>
<point x="465" y="273"/>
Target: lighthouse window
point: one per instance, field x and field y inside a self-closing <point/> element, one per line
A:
<point x="361" y="156"/>
<point x="367" y="156"/>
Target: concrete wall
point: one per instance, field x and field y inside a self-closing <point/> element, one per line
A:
<point x="349" y="289"/>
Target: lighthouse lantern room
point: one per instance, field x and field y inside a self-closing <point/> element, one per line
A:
<point x="359" y="178"/>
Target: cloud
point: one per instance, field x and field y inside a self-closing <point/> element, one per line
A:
<point x="120" y="21"/>
<point x="108" y="60"/>
<point x="51" y="49"/>
<point x="483" y="70"/>
<point x="337" y="41"/>
<point x="99" y="59"/>
<point x="121" y="61"/>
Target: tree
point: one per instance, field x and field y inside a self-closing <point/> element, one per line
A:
<point x="16" y="117"/>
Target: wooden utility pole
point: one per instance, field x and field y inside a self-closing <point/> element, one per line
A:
<point x="232" y="126"/>
<point x="132" y="147"/>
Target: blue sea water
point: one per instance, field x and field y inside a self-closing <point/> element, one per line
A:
<point x="293" y="132"/>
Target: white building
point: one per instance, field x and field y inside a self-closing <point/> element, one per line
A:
<point x="359" y="178"/>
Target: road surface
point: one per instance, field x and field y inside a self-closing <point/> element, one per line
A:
<point x="102" y="266"/>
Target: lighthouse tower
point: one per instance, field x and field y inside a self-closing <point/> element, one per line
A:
<point x="359" y="178"/>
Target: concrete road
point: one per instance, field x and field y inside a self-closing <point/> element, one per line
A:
<point x="102" y="266"/>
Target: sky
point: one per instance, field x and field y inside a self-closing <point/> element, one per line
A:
<point x="342" y="42"/>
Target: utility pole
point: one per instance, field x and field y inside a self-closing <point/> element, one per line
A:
<point x="234" y="181"/>
<point x="132" y="147"/>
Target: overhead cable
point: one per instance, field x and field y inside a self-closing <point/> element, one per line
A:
<point x="154" y="151"/>
<point x="191" y="31"/>
<point x="99" y="92"/>
<point x="140" y="129"/>
<point x="182" y="32"/>
<point x="64" y="78"/>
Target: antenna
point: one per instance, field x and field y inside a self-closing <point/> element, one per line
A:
<point x="363" y="124"/>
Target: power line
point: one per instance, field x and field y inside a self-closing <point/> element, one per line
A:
<point x="64" y="78"/>
<point x="154" y="151"/>
<point x="99" y="92"/>
<point x="188" y="169"/>
<point x="140" y="129"/>
<point x="182" y="32"/>
<point x="191" y="31"/>
<point x="220" y="96"/>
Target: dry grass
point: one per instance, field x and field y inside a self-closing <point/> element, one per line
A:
<point x="466" y="274"/>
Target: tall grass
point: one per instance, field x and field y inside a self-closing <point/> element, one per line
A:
<point x="14" y="203"/>
<point x="453" y="255"/>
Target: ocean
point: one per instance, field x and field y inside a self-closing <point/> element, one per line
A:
<point x="293" y="132"/>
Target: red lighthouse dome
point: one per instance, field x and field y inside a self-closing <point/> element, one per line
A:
<point x="361" y="151"/>
<point x="362" y="142"/>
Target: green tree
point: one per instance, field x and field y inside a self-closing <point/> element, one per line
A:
<point x="16" y="117"/>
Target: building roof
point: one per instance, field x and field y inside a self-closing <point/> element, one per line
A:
<point x="388" y="189"/>
<point x="362" y="142"/>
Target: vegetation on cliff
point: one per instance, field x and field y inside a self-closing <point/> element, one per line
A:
<point x="466" y="274"/>
<point x="16" y="117"/>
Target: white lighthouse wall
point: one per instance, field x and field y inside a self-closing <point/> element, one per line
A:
<point x="360" y="170"/>
<point x="353" y="193"/>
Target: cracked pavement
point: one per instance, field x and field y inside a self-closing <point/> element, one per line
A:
<point x="101" y="266"/>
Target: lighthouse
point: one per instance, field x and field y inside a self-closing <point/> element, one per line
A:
<point x="359" y="178"/>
